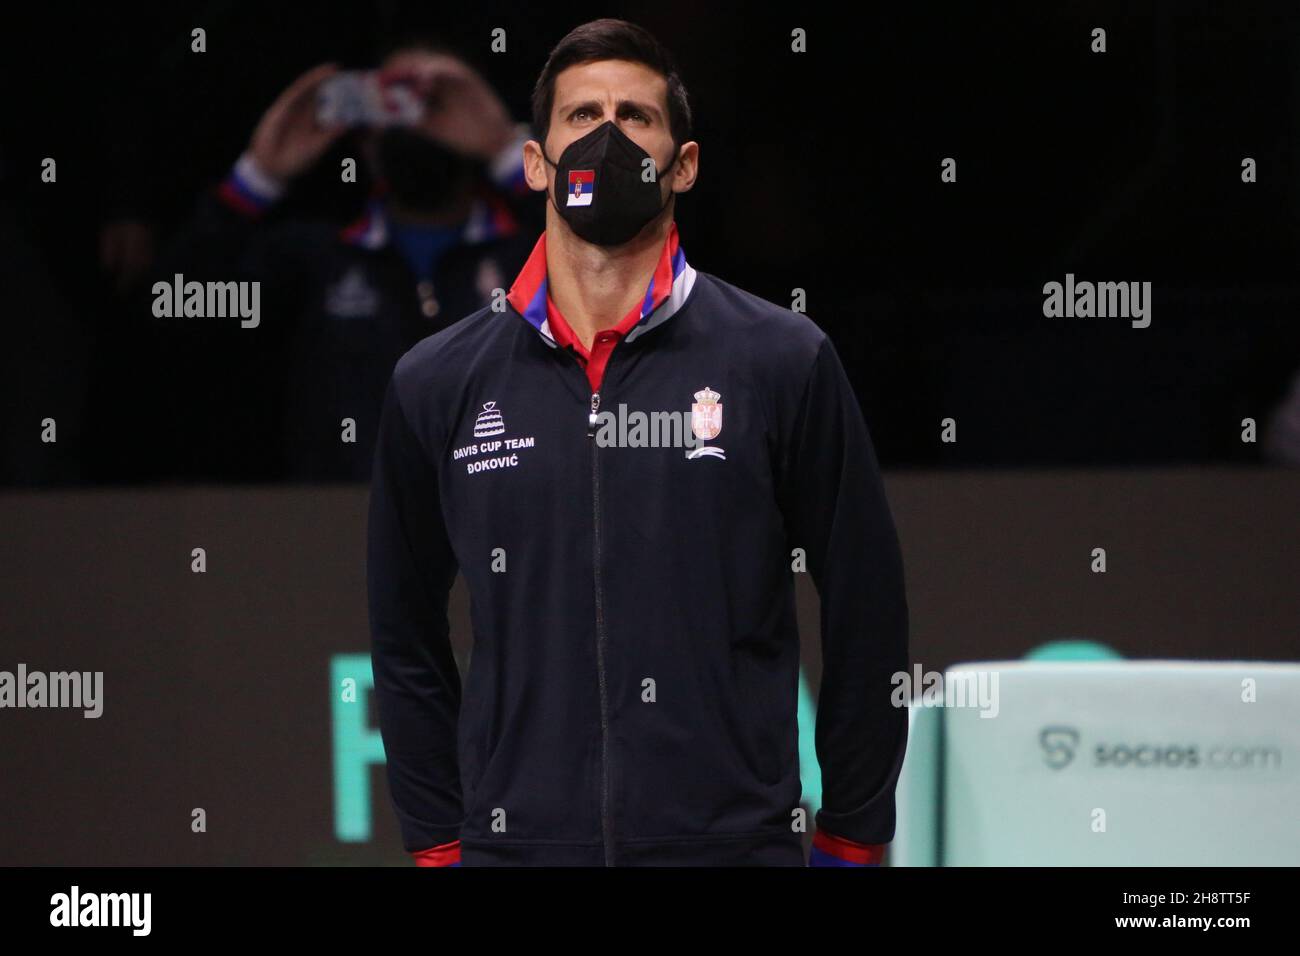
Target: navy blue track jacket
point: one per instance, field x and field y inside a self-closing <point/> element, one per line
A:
<point x="631" y="697"/>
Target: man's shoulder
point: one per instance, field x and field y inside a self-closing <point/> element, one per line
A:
<point x="764" y="328"/>
<point x="454" y="347"/>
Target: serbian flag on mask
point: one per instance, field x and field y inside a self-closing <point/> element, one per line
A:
<point x="581" y="184"/>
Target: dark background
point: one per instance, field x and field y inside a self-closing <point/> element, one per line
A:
<point x="819" y="171"/>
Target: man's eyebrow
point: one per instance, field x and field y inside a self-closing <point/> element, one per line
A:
<point x="622" y="106"/>
<point x="568" y="109"/>
<point x="646" y="108"/>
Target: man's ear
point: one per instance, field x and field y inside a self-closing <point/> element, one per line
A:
<point x="687" y="168"/>
<point x="537" y="171"/>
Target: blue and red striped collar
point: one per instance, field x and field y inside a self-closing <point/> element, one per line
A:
<point x="670" y="284"/>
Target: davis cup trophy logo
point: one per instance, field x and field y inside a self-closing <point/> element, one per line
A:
<point x="489" y="421"/>
<point x="706" y="422"/>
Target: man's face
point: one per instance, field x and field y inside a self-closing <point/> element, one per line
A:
<point x="634" y="97"/>
<point x="423" y="173"/>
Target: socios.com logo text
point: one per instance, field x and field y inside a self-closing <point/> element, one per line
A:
<point x="1059" y="745"/>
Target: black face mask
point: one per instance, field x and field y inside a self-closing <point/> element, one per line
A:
<point x="422" y="173"/>
<point x="599" y="189"/>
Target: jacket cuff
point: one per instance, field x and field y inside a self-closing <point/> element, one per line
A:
<point x="248" y="189"/>
<point x="445" y="854"/>
<point x="830" y="850"/>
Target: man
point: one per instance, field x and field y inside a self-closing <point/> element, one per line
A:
<point x="632" y="694"/>
<point x="439" y="233"/>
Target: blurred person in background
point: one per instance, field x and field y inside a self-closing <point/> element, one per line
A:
<point x="442" y="230"/>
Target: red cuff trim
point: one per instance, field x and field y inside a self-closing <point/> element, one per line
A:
<point x="442" y="855"/>
<point x="867" y="854"/>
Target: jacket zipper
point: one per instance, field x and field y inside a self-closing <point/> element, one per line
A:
<point x="606" y="823"/>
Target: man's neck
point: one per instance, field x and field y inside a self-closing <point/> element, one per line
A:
<point x="594" y="287"/>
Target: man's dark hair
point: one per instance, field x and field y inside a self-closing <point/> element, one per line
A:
<point x="610" y="39"/>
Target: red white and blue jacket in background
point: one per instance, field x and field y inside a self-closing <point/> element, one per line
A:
<point x="631" y="698"/>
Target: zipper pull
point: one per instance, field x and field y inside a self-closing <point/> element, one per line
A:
<point x="591" y="418"/>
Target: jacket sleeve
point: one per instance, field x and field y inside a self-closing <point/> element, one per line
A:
<point x="409" y="571"/>
<point x="835" y="509"/>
